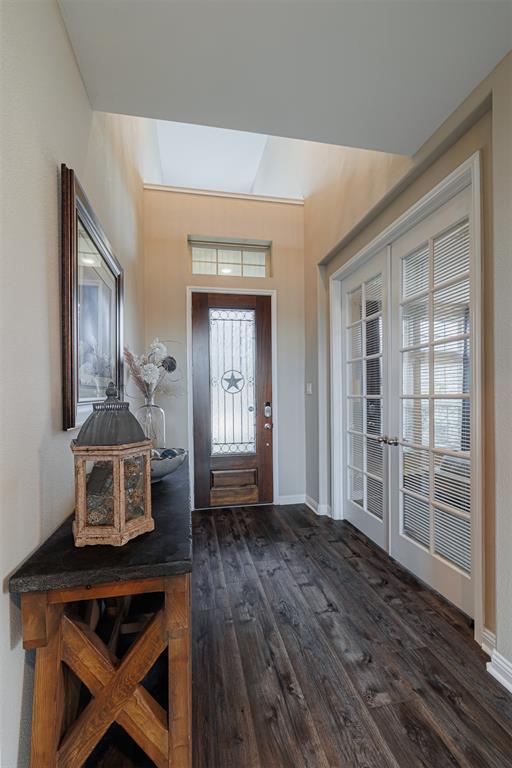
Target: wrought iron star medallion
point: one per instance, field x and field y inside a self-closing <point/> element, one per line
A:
<point x="232" y="382"/>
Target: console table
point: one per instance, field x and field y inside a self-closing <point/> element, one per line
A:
<point x="56" y="576"/>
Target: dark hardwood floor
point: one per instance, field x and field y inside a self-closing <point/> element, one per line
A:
<point x="312" y="649"/>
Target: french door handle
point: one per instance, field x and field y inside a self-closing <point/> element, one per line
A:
<point x="383" y="439"/>
<point x="393" y="441"/>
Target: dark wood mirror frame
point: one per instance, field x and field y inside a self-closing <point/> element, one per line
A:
<point x="75" y="206"/>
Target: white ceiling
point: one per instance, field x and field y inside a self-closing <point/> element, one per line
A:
<point x="199" y="157"/>
<point x="377" y="74"/>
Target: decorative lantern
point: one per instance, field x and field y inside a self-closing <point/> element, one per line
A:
<point x="112" y="476"/>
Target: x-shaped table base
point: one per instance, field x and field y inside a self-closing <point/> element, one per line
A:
<point x="117" y="693"/>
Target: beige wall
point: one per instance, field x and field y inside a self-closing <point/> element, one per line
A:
<point x="345" y="210"/>
<point x="169" y="217"/>
<point x="45" y="120"/>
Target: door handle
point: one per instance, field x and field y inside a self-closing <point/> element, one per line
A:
<point x="393" y="441"/>
<point x="267" y="410"/>
<point x="267" y="426"/>
<point x="383" y="439"/>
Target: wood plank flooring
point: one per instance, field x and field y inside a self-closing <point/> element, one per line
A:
<point x="313" y="649"/>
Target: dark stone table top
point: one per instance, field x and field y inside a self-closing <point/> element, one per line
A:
<point x="166" y="551"/>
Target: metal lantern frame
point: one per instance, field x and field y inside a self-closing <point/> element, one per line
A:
<point x="122" y="529"/>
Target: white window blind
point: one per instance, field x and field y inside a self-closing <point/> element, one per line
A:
<point x="230" y="258"/>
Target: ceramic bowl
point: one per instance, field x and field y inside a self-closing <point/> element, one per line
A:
<point x="166" y="462"/>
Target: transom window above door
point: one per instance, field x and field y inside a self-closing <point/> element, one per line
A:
<point x="230" y="258"/>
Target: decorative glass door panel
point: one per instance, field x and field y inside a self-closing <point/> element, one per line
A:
<point x="232" y="381"/>
<point x="364" y="320"/>
<point x="232" y="399"/>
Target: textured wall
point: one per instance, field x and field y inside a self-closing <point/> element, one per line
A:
<point x="45" y="120"/>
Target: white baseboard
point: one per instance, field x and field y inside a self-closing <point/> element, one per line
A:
<point x="318" y="509"/>
<point x="501" y="668"/>
<point x="488" y="641"/>
<point x="298" y="499"/>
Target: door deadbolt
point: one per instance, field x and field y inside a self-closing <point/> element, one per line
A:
<point x="267" y="426"/>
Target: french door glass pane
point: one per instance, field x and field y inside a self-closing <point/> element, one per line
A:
<point x="374" y="456"/>
<point x="415" y="414"/>
<point x="451" y="253"/>
<point x="374" y="496"/>
<point x="374" y="336"/>
<point x="355" y="414"/>
<point x="452" y="538"/>
<point x="356" y="336"/>
<point x="374" y="376"/>
<point x="415" y="323"/>
<point x="416" y="519"/>
<point x="355" y="451"/>
<point x="356" y="487"/>
<point x="355" y="378"/>
<point x="415" y="272"/>
<point x="452" y="482"/>
<point x="373" y="416"/>
<point x="232" y="380"/>
<point x="451" y="311"/>
<point x="416" y="471"/>
<point x="451" y="368"/>
<point x="356" y="304"/>
<point x="415" y="371"/>
<point x="452" y="424"/>
<point x="373" y="296"/>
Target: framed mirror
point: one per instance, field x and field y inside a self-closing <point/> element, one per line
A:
<point x="92" y="306"/>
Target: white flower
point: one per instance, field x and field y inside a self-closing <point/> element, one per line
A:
<point x="157" y="350"/>
<point x="150" y="373"/>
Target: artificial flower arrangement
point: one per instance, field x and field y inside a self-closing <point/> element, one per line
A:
<point x="149" y="370"/>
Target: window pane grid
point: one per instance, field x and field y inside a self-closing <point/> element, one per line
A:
<point x="230" y="261"/>
<point x="435" y="466"/>
<point x="364" y="345"/>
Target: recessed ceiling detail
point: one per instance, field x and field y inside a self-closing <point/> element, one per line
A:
<point x="200" y="157"/>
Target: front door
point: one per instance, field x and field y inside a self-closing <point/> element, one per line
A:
<point x="232" y="399"/>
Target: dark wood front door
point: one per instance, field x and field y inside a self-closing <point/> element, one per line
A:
<point x="232" y="398"/>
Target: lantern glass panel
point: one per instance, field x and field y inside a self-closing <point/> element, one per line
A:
<point x="100" y="492"/>
<point x="134" y="487"/>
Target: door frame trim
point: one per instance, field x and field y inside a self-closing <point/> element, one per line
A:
<point x="190" y="404"/>
<point x="467" y="174"/>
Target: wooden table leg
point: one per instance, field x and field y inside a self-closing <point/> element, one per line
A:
<point x="48" y="696"/>
<point x="177" y="609"/>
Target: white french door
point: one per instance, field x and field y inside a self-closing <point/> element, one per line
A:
<point x="365" y="317"/>
<point x="408" y="398"/>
